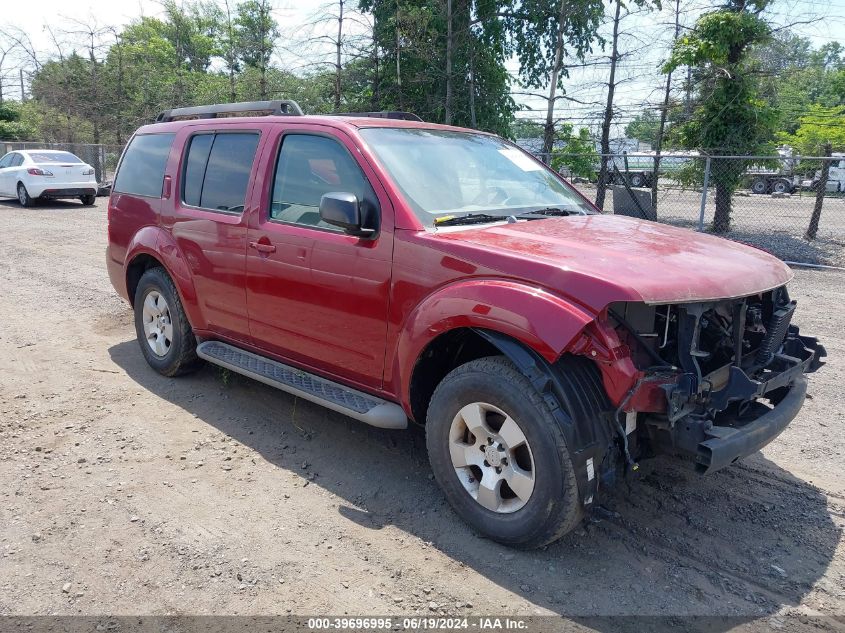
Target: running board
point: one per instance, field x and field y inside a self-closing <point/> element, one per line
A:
<point x="356" y="404"/>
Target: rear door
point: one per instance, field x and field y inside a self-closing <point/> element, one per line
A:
<point x="207" y="217"/>
<point x="315" y="294"/>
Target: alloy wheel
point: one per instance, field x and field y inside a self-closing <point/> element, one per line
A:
<point x="491" y="457"/>
<point x="158" y="327"/>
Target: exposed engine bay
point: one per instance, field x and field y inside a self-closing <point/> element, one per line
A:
<point x="732" y="372"/>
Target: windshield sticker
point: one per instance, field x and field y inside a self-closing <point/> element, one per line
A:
<point x="520" y="160"/>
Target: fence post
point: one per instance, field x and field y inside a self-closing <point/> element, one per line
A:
<point x="821" y="189"/>
<point x="704" y="194"/>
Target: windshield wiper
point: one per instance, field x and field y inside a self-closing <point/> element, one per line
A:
<point x="469" y="218"/>
<point x="548" y="211"/>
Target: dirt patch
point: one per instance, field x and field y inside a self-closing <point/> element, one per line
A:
<point x="128" y="493"/>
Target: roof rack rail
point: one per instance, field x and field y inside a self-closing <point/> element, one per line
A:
<point x="394" y="114"/>
<point x="285" y="107"/>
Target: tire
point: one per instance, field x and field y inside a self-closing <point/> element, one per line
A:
<point x="537" y="517"/>
<point x="782" y="186"/>
<point x="759" y="186"/>
<point x="24" y="197"/>
<point x="88" y="200"/>
<point x="637" y="180"/>
<point x="173" y="351"/>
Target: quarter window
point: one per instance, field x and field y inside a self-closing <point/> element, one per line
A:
<point x="308" y="167"/>
<point x="141" y="170"/>
<point x="217" y="170"/>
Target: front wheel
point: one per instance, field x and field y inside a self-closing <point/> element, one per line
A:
<point x="164" y="334"/>
<point x="499" y="456"/>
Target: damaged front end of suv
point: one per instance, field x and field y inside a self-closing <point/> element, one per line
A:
<point x="717" y="380"/>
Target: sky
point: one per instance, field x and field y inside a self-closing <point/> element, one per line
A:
<point x="822" y="21"/>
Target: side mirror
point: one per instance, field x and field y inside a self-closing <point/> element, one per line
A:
<point x="342" y="210"/>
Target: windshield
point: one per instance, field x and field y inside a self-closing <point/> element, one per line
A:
<point x="444" y="174"/>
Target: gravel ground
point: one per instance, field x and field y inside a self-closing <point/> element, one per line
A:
<point x="124" y="492"/>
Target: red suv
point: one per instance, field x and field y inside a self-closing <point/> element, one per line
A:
<point x="395" y="270"/>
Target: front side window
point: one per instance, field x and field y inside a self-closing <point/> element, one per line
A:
<point x="217" y="169"/>
<point x="141" y="170"/>
<point x="445" y="173"/>
<point x="310" y="166"/>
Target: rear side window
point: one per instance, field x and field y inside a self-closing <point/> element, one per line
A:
<point x="217" y="169"/>
<point x="17" y="160"/>
<point x="141" y="170"/>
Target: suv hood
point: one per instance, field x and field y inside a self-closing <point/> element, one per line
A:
<point x="598" y="259"/>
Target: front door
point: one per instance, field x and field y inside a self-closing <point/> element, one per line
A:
<point x="316" y="295"/>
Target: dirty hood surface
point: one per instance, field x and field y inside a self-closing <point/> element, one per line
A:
<point x="601" y="258"/>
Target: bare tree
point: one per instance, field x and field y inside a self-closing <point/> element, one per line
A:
<point x="608" y="111"/>
<point x="557" y="67"/>
<point x="7" y="47"/>
<point x="92" y="40"/>
<point x="664" y="114"/>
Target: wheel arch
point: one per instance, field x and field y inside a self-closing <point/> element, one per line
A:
<point x="446" y="327"/>
<point x="152" y="247"/>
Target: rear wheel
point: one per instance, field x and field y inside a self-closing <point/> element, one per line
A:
<point x="23" y="196"/>
<point x="499" y="456"/>
<point x="637" y="180"/>
<point x="88" y="200"/>
<point x="164" y="334"/>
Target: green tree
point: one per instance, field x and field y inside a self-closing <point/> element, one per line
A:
<point x="545" y="33"/>
<point x="12" y="128"/>
<point x="729" y="117"/>
<point x="256" y="32"/>
<point x="643" y="127"/>
<point x="816" y="128"/>
<point x="578" y="152"/>
<point x="409" y="69"/>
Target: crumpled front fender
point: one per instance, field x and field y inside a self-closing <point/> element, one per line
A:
<point x="535" y="317"/>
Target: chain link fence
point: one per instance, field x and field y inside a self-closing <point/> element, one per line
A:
<point x="782" y="204"/>
<point x="103" y="158"/>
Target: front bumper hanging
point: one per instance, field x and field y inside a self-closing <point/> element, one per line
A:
<point x="727" y="433"/>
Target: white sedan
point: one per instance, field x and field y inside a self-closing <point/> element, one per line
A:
<point x="46" y="173"/>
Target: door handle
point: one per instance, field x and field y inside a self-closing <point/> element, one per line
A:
<point x="262" y="248"/>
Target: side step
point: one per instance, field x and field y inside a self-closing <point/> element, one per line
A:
<point x="356" y="404"/>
